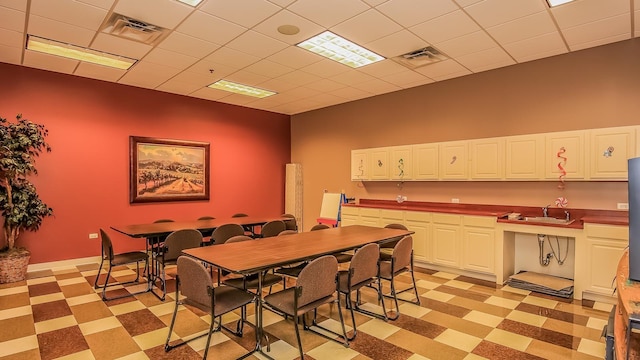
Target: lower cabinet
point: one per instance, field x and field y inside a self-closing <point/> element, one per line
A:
<point x="605" y="244"/>
<point x="478" y="244"/>
<point x="420" y="223"/>
<point x="446" y="239"/>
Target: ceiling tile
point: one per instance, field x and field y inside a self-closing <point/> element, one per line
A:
<point x="11" y="38"/>
<point x="236" y="11"/>
<point x="12" y="19"/>
<point x="282" y="3"/>
<point x="352" y="77"/>
<point x="465" y="3"/>
<point x="232" y="58"/>
<point x="120" y="46"/>
<point x="268" y="68"/>
<point x="237" y="99"/>
<point x="377" y="86"/>
<point x="325" y="85"/>
<point x="375" y="2"/>
<point x="523" y="28"/>
<point x="580" y="12"/>
<point x="493" y="12"/>
<point x="277" y="85"/>
<point x="326" y="68"/>
<point x="411" y="12"/>
<point x="486" y="60"/>
<point x="382" y="69"/>
<point x="443" y="70"/>
<point x="14" y="4"/>
<point x="166" y="13"/>
<point x="466" y="44"/>
<point x="196" y="78"/>
<point x="351" y="93"/>
<point x="56" y="30"/>
<point x="270" y="26"/>
<point x="537" y="47"/>
<point x="299" y="77"/>
<point x="70" y="12"/>
<point x="366" y="27"/>
<point x="49" y="62"/>
<point x="405" y="78"/>
<point x="295" y="57"/>
<point x="324" y="12"/>
<point x="178" y="87"/>
<point x="187" y="45"/>
<point x="169" y="58"/>
<point x="446" y="27"/>
<point x="147" y="75"/>
<point x="210" y="94"/>
<point x="98" y="72"/>
<point x="246" y="78"/>
<point x="256" y="44"/>
<point x="10" y="54"/>
<point x="396" y="44"/>
<point x="598" y="42"/>
<point x="103" y="4"/>
<point x="210" y="28"/>
<point x="597" y="30"/>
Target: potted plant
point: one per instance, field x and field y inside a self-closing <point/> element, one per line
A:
<point x="21" y="142"/>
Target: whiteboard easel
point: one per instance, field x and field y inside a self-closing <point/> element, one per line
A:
<point x="330" y="209"/>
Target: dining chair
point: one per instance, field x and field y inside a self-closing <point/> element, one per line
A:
<point x="319" y="227"/>
<point x="112" y="259"/>
<point x="401" y="261"/>
<point x="206" y="235"/>
<point x="387" y="248"/>
<point x="248" y="229"/>
<point x="272" y="228"/>
<point x="288" y="232"/>
<point x="363" y="272"/>
<point x="341" y="257"/>
<point x="194" y="283"/>
<point x="223" y="232"/>
<point x="290" y="221"/>
<point x="316" y="286"/>
<point x="172" y="248"/>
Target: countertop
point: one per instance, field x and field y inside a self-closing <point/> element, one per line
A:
<point x="581" y="216"/>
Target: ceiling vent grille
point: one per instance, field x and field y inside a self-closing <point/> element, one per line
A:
<point x="420" y="57"/>
<point x="132" y="29"/>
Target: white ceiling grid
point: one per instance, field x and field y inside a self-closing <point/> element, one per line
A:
<point x="239" y="41"/>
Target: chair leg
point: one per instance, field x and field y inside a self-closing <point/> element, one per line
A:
<point x="167" y="347"/>
<point x="206" y="349"/>
<point x="95" y="283"/>
<point x="295" y="324"/>
<point x="344" y="330"/>
<point x="395" y="299"/>
<point x="350" y="306"/>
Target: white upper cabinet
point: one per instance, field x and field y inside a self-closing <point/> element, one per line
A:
<point x="359" y="165"/>
<point x="487" y="159"/>
<point x="379" y="163"/>
<point x="524" y="157"/>
<point x="401" y="162"/>
<point x="565" y="155"/>
<point x="425" y="161"/>
<point x="454" y="160"/>
<point x="609" y="151"/>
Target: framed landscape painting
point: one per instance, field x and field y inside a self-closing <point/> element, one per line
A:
<point x="168" y="170"/>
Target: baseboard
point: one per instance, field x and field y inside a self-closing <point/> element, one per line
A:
<point x="607" y="299"/>
<point x="63" y="263"/>
<point x="485" y="277"/>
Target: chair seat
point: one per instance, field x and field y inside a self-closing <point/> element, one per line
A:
<point x="343" y="281"/>
<point x="386" y="272"/>
<point x="385" y="254"/>
<point x="129" y="257"/>
<point x="292" y="271"/>
<point x="283" y="301"/>
<point x="251" y="281"/>
<point x="343" y="257"/>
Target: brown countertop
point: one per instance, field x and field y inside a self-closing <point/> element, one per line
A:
<point x="608" y="217"/>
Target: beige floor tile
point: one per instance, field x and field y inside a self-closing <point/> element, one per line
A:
<point x="460" y="324"/>
<point x="483" y="318"/>
<point x="46" y="298"/>
<point x="594" y="348"/>
<point x="425" y="347"/>
<point x="426" y="284"/>
<point x="474" y="357"/>
<point x="418" y="357"/>
<point x="538" y="301"/>
<point x="83" y="299"/>
<point x="438" y="296"/>
<point x="515" y="290"/>
<point x="459" y="284"/>
<point x="15" y="312"/>
<point x="55" y="324"/>
<point x="378" y="328"/>
<point x="81" y="355"/>
<point x="14" y="290"/>
<point x="413" y="310"/>
<point x="527" y="318"/>
<point x="594" y="323"/>
<point x="445" y="275"/>
<point x="18" y="345"/>
<point x="102" y="344"/>
<point x="509" y="339"/>
<point x="502" y="302"/>
<point x="95" y="326"/>
<point x="163" y="309"/>
<point x="332" y="350"/>
<point x="41" y="280"/>
<point x="136" y="356"/>
<point x="602" y="306"/>
<point x="151" y="339"/>
<point x="126" y="307"/>
<point x="72" y="281"/>
<point x="458" y="340"/>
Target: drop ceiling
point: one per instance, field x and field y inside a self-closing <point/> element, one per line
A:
<point x="237" y="40"/>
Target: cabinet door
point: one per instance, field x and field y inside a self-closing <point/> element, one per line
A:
<point x="610" y="150"/>
<point x="605" y="246"/>
<point x="479" y="249"/>
<point x="391" y="217"/>
<point x="564" y="155"/>
<point x="524" y="157"/>
<point x="379" y="160"/>
<point x="420" y="223"/>
<point x="401" y="163"/>
<point x="369" y="217"/>
<point x="359" y="165"/>
<point x="425" y="162"/>
<point x="454" y="160"/>
<point x="487" y="159"/>
<point x="446" y="244"/>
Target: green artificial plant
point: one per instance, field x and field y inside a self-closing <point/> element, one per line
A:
<point x="21" y="142"/>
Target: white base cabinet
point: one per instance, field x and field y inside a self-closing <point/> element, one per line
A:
<point x="605" y="245"/>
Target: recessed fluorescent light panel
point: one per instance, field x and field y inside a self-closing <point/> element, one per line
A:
<point x="69" y="51"/>
<point x="341" y="50"/>
<point x="553" y="3"/>
<point x="241" y="89"/>
<point x="193" y="3"/>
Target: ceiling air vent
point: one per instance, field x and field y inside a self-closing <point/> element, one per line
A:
<point x="132" y="29"/>
<point x="420" y="57"/>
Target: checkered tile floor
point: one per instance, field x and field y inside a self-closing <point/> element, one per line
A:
<point x="57" y="314"/>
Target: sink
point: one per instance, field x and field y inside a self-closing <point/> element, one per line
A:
<point x="547" y="220"/>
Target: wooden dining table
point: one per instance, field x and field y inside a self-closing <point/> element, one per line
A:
<point x="250" y="257"/>
<point x="153" y="232"/>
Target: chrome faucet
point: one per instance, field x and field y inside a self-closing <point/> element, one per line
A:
<point x="567" y="215"/>
<point x="545" y="211"/>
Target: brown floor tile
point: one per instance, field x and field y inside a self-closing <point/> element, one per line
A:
<point x="447" y="308"/>
<point x="50" y="310"/>
<point x="32" y="354"/>
<point x="419" y="271"/>
<point x="488" y="284"/>
<point x="463" y="293"/>
<point x="285" y="331"/>
<point x="103" y="344"/>
<point x="17" y="327"/>
<point x="534" y="332"/>
<point x="140" y="322"/>
<point x="90" y="311"/>
<point x="575" y="330"/>
<point x="187" y="323"/>
<point x="493" y="351"/>
<point x="418" y="326"/>
<point x="555" y="352"/>
<point x="68" y="275"/>
<point x="44" y="289"/>
<point x="79" y="289"/>
<point x="57" y="343"/>
<point x="482" y="307"/>
<point x="183" y="352"/>
<point x="116" y="293"/>
<point x="553" y="314"/>
<point x="14" y="300"/>
<point x="551" y="297"/>
<point x="456" y="323"/>
<point x="87" y="267"/>
<point x="588" y="303"/>
<point x="375" y="348"/>
<point x="426" y="347"/>
<point x="39" y="274"/>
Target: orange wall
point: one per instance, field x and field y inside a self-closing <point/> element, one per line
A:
<point x="592" y="88"/>
<point x="85" y="179"/>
